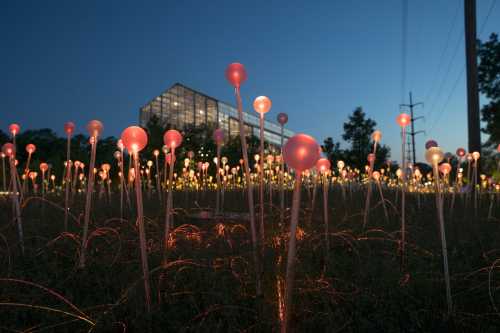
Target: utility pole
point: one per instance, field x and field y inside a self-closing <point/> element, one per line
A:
<point x="412" y="132"/>
<point x="474" y="130"/>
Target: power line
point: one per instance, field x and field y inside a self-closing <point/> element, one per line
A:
<point x="404" y="37"/>
<point x="490" y="10"/>
<point x="445" y="77"/>
<point x="444" y="108"/>
<point x="441" y="112"/>
<point x="443" y="53"/>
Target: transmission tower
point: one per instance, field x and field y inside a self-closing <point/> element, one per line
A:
<point x="410" y="137"/>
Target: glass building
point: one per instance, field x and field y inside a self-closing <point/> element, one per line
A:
<point x="180" y="106"/>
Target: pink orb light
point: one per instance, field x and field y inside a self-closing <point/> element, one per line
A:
<point x="282" y="118"/>
<point x="8" y="149"/>
<point x="323" y="165"/>
<point x="403" y="119"/>
<point x="236" y="74"/>
<point x="94" y="128"/>
<point x="371" y="157"/>
<point x="301" y="152"/>
<point x="14" y="129"/>
<point x="434" y="155"/>
<point x="262" y="105"/>
<point x="430" y="144"/>
<point x="119" y="144"/>
<point x="134" y="138"/>
<point x="445" y="168"/>
<point x="461" y="152"/>
<point x="172" y="138"/>
<point x="44" y="167"/>
<point x="69" y="127"/>
<point x="30" y="148"/>
<point x="219" y="136"/>
<point x="377" y="136"/>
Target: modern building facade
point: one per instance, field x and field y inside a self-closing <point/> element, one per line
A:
<point x="180" y="106"/>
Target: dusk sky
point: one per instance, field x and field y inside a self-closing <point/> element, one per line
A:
<point x="83" y="60"/>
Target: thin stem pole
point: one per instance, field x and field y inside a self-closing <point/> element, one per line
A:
<point x="4" y="183"/>
<point x="439" y="205"/>
<point x="68" y="181"/>
<point x="261" y="179"/>
<point x="290" y="265"/>
<point x="142" y="234"/>
<point x="168" y="219"/>
<point x="88" y="201"/>
<point x="246" y="167"/>
<point x="217" y="176"/>
<point x="403" y="191"/>
<point x="325" y="213"/>
<point x="281" y="180"/>
<point x="158" y="186"/>
<point x="15" y="202"/>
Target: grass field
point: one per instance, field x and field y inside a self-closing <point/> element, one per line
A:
<point x="357" y="285"/>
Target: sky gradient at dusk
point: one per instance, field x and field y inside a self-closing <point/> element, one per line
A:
<point x="83" y="60"/>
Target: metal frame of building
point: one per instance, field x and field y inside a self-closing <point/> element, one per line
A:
<point x="181" y="106"/>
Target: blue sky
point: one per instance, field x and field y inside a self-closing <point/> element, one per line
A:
<point x="80" y="60"/>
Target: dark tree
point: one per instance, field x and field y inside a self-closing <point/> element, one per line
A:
<point x="357" y="132"/>
<point x="332" y="150"/>
<point x="155" y="130"/>
<point x="489" y="85"/>
<point x="232" y="150"/>
<point x="4" y="138"/>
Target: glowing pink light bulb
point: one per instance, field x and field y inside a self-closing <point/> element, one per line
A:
<point x="445" y="168"/>
<point x="236" y="74"/>
<point x="134" y="138"/>
<point x="95" y="128"/>
<point x="14" y="129"/>
<point x="30" y="148"/>
<point x="377" y="136"/>
<point x="403" y="119"/>
<point x="461" y="152"/>
<point x="218" y="137"/>
<point x="282" y="118"/>
<point x="262" y="104"/>
<point x="430" y="144"/>
<point x="323" y="165"/>
<point x="301" y="152"/>
<point x="44" y="167"/>
<point x="69" y="128"/>
<point x="172" y="139"/>
<point x="8" y="150"/>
